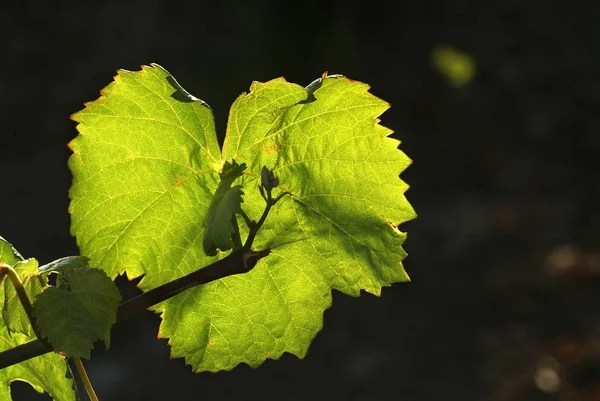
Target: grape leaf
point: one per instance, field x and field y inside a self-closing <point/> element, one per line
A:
<point x="327" y="150"/>
<point x="13" y="312"/>
<point x="47" y="372"/>
<point x="73" y="319"/>
<point x="223" y="207"/>
<point x="34" y="279"/>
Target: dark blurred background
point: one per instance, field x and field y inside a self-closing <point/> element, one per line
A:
<point x="505" y="254"/>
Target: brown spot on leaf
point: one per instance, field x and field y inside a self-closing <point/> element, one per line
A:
<point x="271" y="148"/>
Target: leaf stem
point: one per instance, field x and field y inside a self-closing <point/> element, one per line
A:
<point x="249" y="222"/>
<point x="2" y="275"/>
<point x="14" y="278"/>
<point x="85" y="379"/>
<point x="255" y="226"/>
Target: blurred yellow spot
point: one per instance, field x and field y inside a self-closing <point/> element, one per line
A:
<point x="456" y="66"/>
<point x="218" y="166"/>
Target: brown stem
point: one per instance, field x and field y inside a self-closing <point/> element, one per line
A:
<point x="240" y="261"/>
<point x="235" y="263"/>
<point x="254" y="227"/>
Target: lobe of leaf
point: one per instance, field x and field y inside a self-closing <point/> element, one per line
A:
<point x="223" y="207"/>
<point x="73" y="320"/>
<point x="143" y="176"/>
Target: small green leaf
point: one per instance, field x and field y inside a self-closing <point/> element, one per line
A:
<point x="72" y="320"/>
<point x="224" y="205"/>
<point x="13" y="312"/>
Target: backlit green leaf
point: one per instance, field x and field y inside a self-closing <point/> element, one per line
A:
<point x="338" y="223"/>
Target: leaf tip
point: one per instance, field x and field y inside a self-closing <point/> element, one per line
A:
<point x="156" y="66"/>
<point x="145" y="67"/>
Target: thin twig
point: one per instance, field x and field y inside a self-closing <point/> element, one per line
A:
<point x="85" y="379"/>
<point x="256" y="226"/>
<point x="249" y="222"/>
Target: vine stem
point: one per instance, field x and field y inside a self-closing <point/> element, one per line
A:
<point x="85" y="379"/>
<point x="237" y="262"/>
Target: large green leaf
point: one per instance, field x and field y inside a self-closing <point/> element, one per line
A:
<point x="328" y="151"/>
<point x="44" y="373"/>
